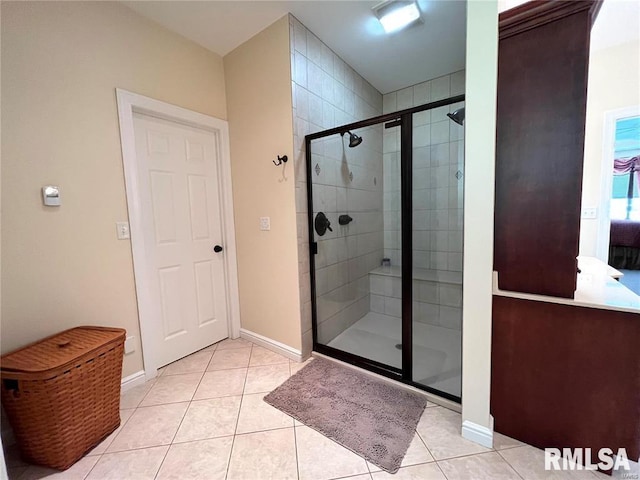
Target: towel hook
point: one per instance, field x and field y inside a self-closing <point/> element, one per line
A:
<point x="281" y="160"/>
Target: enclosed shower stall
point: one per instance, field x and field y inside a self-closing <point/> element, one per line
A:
<point x="385" y="236"/>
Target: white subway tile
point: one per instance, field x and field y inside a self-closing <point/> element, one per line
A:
<point x="300" y="69"/>
<point x="457" y="83"/>
<point x="314" y="78"/>
<point x="450" y="295"/>
<point x="439" y="132"/>
<point x="389" y="103"/>
<point x="422" y="136"/>
<point x="300" y="37"/>
<point x="377" y="303"/>
<point x="314" y="48"/>
<point x="422" y="93"/>
<point x="451" y="317"/>
<point x="454" y="262"/>
<point x="440" y="88"/>
<point x="327" y="59"/>
<point x="405" y="98"/>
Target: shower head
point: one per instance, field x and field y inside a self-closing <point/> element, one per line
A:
<point x="457" y="116"/>
<point x="354" y="140"/>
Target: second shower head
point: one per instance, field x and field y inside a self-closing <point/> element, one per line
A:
<point x="457" y="116"/>
<point x="354" y="140"/>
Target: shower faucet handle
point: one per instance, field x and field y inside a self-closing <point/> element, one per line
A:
<point x="322" y="224"/>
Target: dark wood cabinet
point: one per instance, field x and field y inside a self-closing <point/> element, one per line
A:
<point x="542" y="92"/>
<point x="565" y="376"/>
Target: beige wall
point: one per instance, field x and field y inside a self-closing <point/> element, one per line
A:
<point x="480" y="135"/>
<point x="61" y="63"/>
<point x="613" y="83"/>
<point x="259" y="106"/>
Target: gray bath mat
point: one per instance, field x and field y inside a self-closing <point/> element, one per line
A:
<point x="370" y="417"/>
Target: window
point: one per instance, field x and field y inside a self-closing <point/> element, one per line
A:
<point x="625" y="197"/>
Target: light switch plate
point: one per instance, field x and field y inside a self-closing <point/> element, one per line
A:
<point x="122" y="229"/>
<point x="265" y="223"/>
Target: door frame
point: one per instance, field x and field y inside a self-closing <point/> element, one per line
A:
<point x="128" y="104"/>
<point x="606" y="176"/>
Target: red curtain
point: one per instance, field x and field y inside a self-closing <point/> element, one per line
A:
<point x="626" y="165"/>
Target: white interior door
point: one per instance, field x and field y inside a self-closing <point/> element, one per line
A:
<point x="181" y="217"/>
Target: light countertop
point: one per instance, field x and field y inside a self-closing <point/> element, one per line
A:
<point x="596" y="288"/>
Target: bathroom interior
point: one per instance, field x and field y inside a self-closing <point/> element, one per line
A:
<point x="382" y="172"/>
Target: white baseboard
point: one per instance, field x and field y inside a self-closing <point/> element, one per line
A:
<point x="273" y="345"/>
<point x="477" y="433"/>
<point x="133" y="380"/>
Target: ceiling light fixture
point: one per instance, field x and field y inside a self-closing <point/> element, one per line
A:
<point x="395" y="15"/>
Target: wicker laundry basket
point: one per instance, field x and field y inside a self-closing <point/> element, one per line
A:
<point x="62" y="394"/>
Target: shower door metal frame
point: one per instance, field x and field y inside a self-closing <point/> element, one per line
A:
<point x="405" y="119"/>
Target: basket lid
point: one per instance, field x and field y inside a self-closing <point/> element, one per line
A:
<point x="57" y="350"/>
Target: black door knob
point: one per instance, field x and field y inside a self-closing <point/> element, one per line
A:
<point x="217" y="249"/>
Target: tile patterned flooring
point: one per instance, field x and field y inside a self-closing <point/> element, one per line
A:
<point x="203" y="418"/>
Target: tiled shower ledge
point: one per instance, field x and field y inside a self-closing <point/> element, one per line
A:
<point x="441" y="276"/>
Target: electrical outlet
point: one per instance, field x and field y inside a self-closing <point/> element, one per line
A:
<point x="265" y="223"/>
<point x="123" y="230"/>
<point x="129" y="345"/>
<point x="589" y="213"/>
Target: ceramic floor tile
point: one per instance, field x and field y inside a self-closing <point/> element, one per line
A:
<point x="229" y="343"/>
<point x="77" y="471"/>
<point x="256" y="415"/>
<point x="440" y="429"/>
<point x="416" y="453"/>
<point x="365" y="476"/>
<point x="172" y="389"/>
<point x="266" y="378"/>
<point x="150" y="427"/>
<point x="139" y="464"/>
<point x="192" y="364"/>
<point x="102" y="446"/>
<point x="425" y="471"/>
<point x="502" y="442"/>
<point x="484" y="466"/>
<point x="216" y="417"/>
<point x="201" y="460"/>
<point x="230" y="358"/>
<point x="263" y="356"/>
<point x="295" y="367"/>
<point x="264" y="455"/>
<point x="529" y="463"/>
<point x="314" y="450"/>
<point x="223" y="383"/>
<point x="132" y="397"/>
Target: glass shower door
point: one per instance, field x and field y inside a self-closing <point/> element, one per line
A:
<point x="438" y="172"/>
<point x="355" y="193"/>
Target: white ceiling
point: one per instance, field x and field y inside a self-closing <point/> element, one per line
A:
<point x="388" y="62"/>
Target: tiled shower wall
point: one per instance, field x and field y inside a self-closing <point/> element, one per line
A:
<point x="438" y="162"/>
<point x="327" y="93"/>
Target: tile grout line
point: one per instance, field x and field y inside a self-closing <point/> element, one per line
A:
<point x="508" y="463"/>
<point x="295" y="436"/>
<point x="181" y="420"/>
<point x="233" y="441"/>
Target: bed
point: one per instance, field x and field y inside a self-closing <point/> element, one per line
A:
<point x="624" y="244"/>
